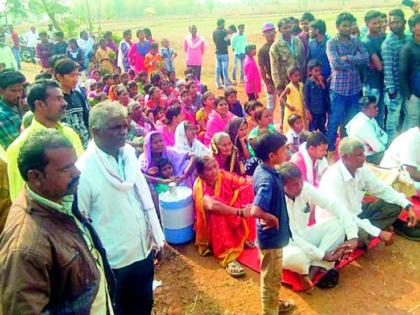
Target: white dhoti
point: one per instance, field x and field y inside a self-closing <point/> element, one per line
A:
<point x="326" y="236"/>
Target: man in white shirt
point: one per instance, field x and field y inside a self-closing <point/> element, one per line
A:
<point x="364" y="127"/>
<point x="31" y="38"/>
<point x="349" y="180"/>
<point x="404" y="152"/>
<point x="114" y="194"/>
<point x="318" y="246"/>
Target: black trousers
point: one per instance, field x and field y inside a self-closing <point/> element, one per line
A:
<point x="197" y="71"/>
<point x="318" y="123"/>
<point x="134" y="291"/>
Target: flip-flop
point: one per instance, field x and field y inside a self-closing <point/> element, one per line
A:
<point x="286" y="306"/>
<point x="234" y="265"/>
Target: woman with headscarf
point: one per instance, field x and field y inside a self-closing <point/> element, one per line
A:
<point x="154" y="149"/>
<point x="186" y="141"/>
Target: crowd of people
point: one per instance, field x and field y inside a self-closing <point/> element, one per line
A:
<point x="105" y="128"/>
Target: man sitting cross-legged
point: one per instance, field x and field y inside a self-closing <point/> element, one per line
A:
<point x="349" y="180"/>
<point x="318" y="246"/>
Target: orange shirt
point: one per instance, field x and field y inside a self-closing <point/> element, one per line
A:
<point x="152" y="63"/>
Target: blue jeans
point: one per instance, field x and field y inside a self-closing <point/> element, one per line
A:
<point x="239" y="59"/>
<point x="222" y="66"/>
<point x="342" y="109"/>
<point x="16" y="53"/>
<point x="378" y="94"/>
<point x="393" y="116"/>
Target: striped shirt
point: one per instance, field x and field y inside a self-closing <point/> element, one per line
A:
<point x="345" y="77"/>
<point x="391" y="59"/>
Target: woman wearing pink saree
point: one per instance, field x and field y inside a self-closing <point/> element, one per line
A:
<point x="218" y="119"/>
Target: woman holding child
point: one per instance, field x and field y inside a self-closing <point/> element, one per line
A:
<point x="222" y="206"/>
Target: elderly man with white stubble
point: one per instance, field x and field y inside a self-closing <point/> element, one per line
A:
<point x="114" y="194"/>
<point x="349" y="180"/>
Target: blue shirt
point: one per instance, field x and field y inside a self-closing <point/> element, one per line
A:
<point x="269" y="196"/>
<point x="237" y="109"/>
<point x="372" y="77"/>
<point x="316" y="97"/>
<point x="317" y="51"/>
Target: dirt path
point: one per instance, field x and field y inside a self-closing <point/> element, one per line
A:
<point x="386" y="280"/>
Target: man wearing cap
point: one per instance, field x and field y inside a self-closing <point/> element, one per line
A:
<point x="269" y="33"/>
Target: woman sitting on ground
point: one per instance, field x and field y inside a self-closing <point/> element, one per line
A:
<point x="225" y="154"/>
<point x="218" y="118"/>
<point x="174" y="117"/>
<point x="154" y="149"/>
<point x="237" y="131"/>
<point x="186" y="140"/>
<point x="223" y="223"/>
<point x="264" y="119"/>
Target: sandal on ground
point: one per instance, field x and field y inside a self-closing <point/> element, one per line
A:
<point x="235" y="269"/>
<point x="286" y="306"/>
<point x="329" y="280"/>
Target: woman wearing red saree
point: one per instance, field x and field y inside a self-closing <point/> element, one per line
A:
<point x="223" y="222"/>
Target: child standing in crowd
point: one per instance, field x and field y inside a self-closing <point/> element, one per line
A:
<point x="239" y="41"/>
<point x="250" y="109"/>
<point x="168" y="54"/>
<point x="252" y="74"/>
<point x="108" y="80"/>
<point x="264" y="119"/>
<point x="153" y="61"/>
<point x="317" y="98"/>
<point x="235" y="107"/>
<point x="295" y="123"/>
<point x="292" y="98"/>
<point x="273" y="230"/>
<point x="166" y="176"/>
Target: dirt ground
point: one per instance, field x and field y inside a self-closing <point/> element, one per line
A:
<point x="386" y="280"/>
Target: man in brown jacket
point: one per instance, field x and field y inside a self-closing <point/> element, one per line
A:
<point x="51" y="260"/>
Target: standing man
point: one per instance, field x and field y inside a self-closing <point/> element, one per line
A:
<point x="44" y="50"/>
<point x="346" y="54"/>
<point x="31" y="38"/>
<point x="373" y="79"/>
<point x="85" y="43"/>
<point x="317" y="47"/>
<point x="123" y="49"/>
<point x="391" y="48"/>
<point x="46" y="101"/>
<point x="118" y="202"/>
<point x="222" y="41"/>
<point x="77" y="110"/>
<point x="11" y="92"/>
<point x="305" y="20"/>
<point x="16" y="45"/>
<point x="51" y="259"/>
<point x="60" y="46"/>
<point x="410" y="75"/>
<point x="239" y="41"/>
<point x="194" y="48"/>
<point x="269" y="33"/>
<point x="285" y="54"/>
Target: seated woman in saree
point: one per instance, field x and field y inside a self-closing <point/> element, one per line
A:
<point x="225" y="154"/>
<point x="154" y="149"/>
<point x="237" y="131"/>
<point x="222" y="206"/>
<point x="186" y="140"/>
<point x="218" y="118"/>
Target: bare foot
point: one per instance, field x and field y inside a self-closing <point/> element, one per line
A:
<point x="308" y="286"/>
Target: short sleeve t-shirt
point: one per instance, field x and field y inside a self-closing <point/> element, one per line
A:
<point x="269" y="196"/>
<point x="371" y="77"/>
<point x="264" y="58"/>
